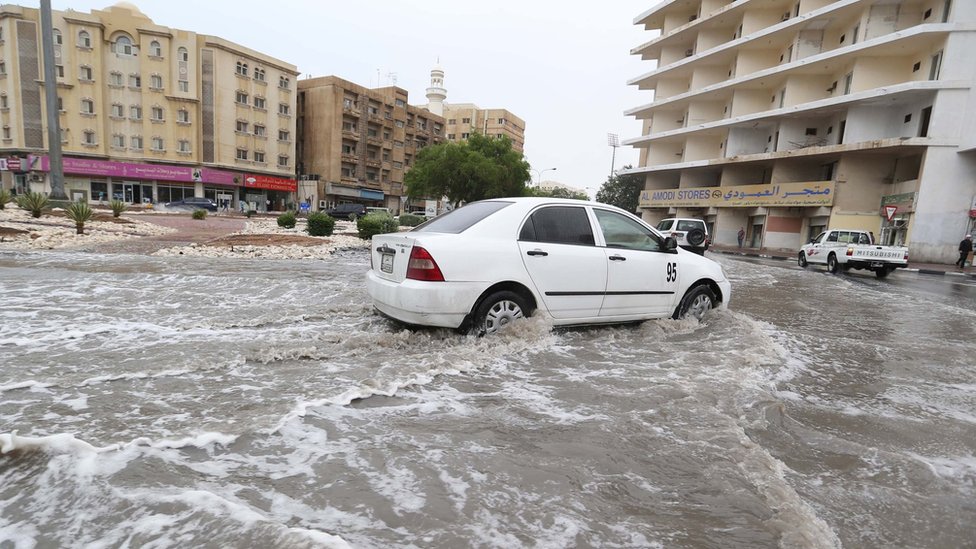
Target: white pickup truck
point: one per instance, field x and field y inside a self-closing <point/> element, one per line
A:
<point x="849" y="249"/>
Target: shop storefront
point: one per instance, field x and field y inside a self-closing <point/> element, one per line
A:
<point x="336" y="194"/>
<point x="771" y="215"/>
<point x="270" y="193"/>
<point x="896" y="213"/>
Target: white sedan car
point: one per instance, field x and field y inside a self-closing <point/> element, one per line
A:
<point x="488" y="263"/>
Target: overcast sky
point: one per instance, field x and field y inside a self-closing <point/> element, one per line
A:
<point x="560" y="65"/>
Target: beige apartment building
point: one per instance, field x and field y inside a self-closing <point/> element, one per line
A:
<point x="466" y="118"/>
<point x="786" y="117"/>
<point x="356" y="143"/>
<point x="147" y="113"/>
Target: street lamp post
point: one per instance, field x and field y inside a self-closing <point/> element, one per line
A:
<point x="539" y="175"/>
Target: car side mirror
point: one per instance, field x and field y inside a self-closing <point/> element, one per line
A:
<point x="670" y="244"/>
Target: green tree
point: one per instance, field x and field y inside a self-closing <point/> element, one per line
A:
<point x="480" y="167"/>
<point x="556" y="192"/>
<point x="622" y="191"/>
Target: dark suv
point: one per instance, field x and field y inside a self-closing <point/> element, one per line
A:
<point x="193" y="203"/>
<point x="347" y="211"/>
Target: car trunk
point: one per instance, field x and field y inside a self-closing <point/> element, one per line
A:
<point x="390" y="254"/>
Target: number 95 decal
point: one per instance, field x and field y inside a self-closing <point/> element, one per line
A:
<point x="672" y="272"/>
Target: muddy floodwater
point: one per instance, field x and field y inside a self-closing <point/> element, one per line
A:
<point x="180" y="402"/>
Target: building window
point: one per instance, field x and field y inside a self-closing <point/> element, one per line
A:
<point x="6" y="132"/>
<point x="123" y="46"/>
<point x="451" y="136"/>
<point x="848" y="83"/>
<point x="259" y="74"/>
<point x="60" y="104"/>
<point x="242" y="154"/>
<point x="118" y="141"/>
<point x="284" y="109"/>
<point x="135" y="142"/>
<point x="3" y="67"/>
<point x="135" y="112"/>
<point x="241" y="68"/>
<point x="84" y="39"/>
<point x="3" y="101"/>
<point x="157" y="113"/>
<point x="59" y="70"/>
<point x="87" y="106"/>
<point x="465" y="120"/>
<point x="401" y="103"/>
<point x="241" y="126"/>
<point x="88" y="137"/>
<point x="183" y="146"/>
<point x="157" y="144"/>
<point x="283" y="82"/>
<point x="936" y="66"/>
<point x="184" y="86"/>
<point x="183" y="54"/>
<point x="283" y="135"/>
<point x="118" y="111"/>
<point x="64" y="135"/>
<point x="397" y="165"/>
<point x="259" y="157"/>
<point x="464" y="135"/>
<point x="282" y="160"/>
<point x="135" y="81"/>
<point x="183" y="116"/>
<point x="156" y="82"/>
<point x="155" y="49"/>
<point x="241" y="98"/>
<point x="399" y="123"/>
<point x="259" y="103"/>
<point x="115" y="79"/>
<point x="57" y="37"/>
<point x="452" y="121"/>
<point x="259" y="130"/>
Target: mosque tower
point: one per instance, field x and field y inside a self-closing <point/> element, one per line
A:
<point x="436" y="94"/>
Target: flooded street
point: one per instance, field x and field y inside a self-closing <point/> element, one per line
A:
<point x="179" y="402"/>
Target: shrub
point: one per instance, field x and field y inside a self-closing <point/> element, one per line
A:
<point x="79" y="212"/>
<point x="199" y="214"/>
<point x="287" y="220"/>
<point x="4" y="198"/>
<point x="376" y="223"/>
<point x="33" y="202"/>
<point x="320" y="224"/>
<point x="411" y="220"/>
<point x="118" y="207"/>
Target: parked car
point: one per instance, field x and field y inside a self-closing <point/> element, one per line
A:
<point x="193" y="203"/>
<point x="486" y="264"/>
<point x="691" y="234"/>
<point x="851" y="249"/>
<point x="347" y="211"/>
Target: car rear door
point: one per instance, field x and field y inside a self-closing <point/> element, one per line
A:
<point x="642" y="278"/>
<point x="559" y="253"/>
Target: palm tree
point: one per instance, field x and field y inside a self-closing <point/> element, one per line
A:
<point x="79" y="212"/>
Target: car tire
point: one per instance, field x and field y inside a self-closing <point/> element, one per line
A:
<point x="695" y="237"/>
<point x="801" y="260"/>
<point x="832" y="264"/>
<point x="696" y="302"/>
<point x="497" y="311"/>
<point x="883" y="272"/>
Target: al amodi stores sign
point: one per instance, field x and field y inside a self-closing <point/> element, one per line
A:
<point x="819" y="193"/>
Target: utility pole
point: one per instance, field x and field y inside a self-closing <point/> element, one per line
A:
<point x="51" y="102"/>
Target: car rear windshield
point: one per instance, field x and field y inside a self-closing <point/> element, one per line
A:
<point x="690" y="225"/>
<point x="459" y="220"/>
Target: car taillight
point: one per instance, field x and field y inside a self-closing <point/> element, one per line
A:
<point x="906" y="255"/>
<point x="422" y="266"/>
<point x="850" y="251"/>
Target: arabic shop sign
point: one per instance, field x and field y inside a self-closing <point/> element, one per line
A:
<point x="819" y="193"/>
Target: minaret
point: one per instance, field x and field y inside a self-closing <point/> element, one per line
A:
<point x="436" y="94"/>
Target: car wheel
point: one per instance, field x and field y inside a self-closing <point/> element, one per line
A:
<point x="698" y="301"/>
<point x="695" y="237"/>
<point x="832" y="264"/>
<point x="497" y="311"/>
<point x="883" y="272"/>
<point x="801" y="260"/>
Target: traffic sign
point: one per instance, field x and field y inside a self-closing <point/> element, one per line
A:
<point x="890" y="212"/>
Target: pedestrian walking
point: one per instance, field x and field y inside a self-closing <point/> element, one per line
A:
<point x="965" y="247"/>
<point x="741" y="236"/>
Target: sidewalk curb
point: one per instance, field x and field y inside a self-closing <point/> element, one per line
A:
<point x="924" y="271"/>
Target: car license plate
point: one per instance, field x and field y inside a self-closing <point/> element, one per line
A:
<point x="875" y="265"/>
<point x="386" y="263"/>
